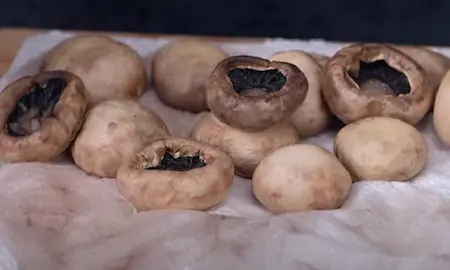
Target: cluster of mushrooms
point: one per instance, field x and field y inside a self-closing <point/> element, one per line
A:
<point x="85" y="102"/>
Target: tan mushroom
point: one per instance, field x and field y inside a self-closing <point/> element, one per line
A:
<point x="41" y="115"/>
<point x="246" y="149"/>
<point x="109" y="69"/>
<point x="312" y="116"/>
<point x="301" y="177"/>
<point x="180" y="72"/>
<point x="176" y="173"/>
<point x="112" y="133"/>
<point x="381" y="148"/>
<point x="441" y="114"/>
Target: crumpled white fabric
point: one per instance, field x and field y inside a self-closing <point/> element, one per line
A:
<point x="55" y="217"/>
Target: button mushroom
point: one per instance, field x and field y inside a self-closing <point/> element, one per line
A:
<point x="441" y="114"/>
<point x="41" y="115"/>
<point x="312" y="116"/>
<point x="364" y="80"/>
<point x="175" y="173"/>
<point x="251" y="93"/>
<point x="320" y="59"/>
<point x="180" y="71"/>
<point x="109" y="69"/>
<point x="381" y="148"/>
<point x="112" y="132"/>
<point x="301" y="177"/>
<point x="246" y="149"/>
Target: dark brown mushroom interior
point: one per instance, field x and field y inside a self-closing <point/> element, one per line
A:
<point x="251" y="82"/>
<point x="180" y="163"/>
<point x="34" y="107"/>
<point x="379" y="77"/>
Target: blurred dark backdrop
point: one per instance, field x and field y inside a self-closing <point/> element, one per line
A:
<point x="401" y="21"/>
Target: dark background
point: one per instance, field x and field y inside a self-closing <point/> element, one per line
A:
<point x="402" y="21"/>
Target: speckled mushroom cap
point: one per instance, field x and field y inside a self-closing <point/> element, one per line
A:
<point x="56" y="131"/>
<point x="194" y="188"/>
<point x="255" y="99"/>
<point x="349" y="102"/>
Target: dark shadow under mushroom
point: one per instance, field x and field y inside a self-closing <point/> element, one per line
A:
<point x="380" y="78"/>
<point x="34" y="107"/>
<point x="182" y="163"/>
<point x="251" y="82"/>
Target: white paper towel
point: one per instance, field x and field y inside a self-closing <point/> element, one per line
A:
<point x="53" y="216"/>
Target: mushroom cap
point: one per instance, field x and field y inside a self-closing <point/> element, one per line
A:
<point x="312" y="116"/>
<point x="246" y="149"/>
<point x="320" y="59"/>
<point x="251" y="113"/>
<point x="381" y="148"/>
<point x="349" y="103"/>
<point x="435" y="64"/>
<point x="195" y="189"/>
<point x="112" y="132"/>
<point x="56" y="132"/>
<point x="109" y="69"/>
<point x="180" y="72"/>
<point x="441" y="114"/>
<point x="301" y="177"/>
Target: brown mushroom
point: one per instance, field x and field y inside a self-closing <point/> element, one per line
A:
<point x="312" y="116"/>
<point x="109" y="69"/>
<point x="301" y="177"/>
<point x="176" y="173"/>
<point x="381" y="148"/>
<point x="41" y="115"/>
<point x="246" y="149"/>
<point x="251" y="93"/>
<point x="112" y="132"/>
<point x="180" y="71"/>
<point x="364" y="80"/>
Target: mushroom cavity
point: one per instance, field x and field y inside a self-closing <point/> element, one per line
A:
<point x="180" y="72"/>
<point x="112" y="133"/>
<point x="312" y="116"/>
<point x="381" y="148"/>
<point x="176" y="173"/>
<point x="246" y="149"/>
<point x="109" y="69"/>
<point x="175" y="162"/>
<point x="250" y="82"/>
<point x="364" y="80"/>
<point x="301" y="177"/>
<point x="41" y="115"/>
<point x="251" y="93"/>
<point x="34" y="107"/>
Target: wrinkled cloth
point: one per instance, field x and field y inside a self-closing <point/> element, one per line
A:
<point x="56" y="217"/>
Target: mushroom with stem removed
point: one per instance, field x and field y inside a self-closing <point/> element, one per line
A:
<point x="364" y="80"/>
<point x="176" y="173"/>
<point x="252" y="93"/>
<point x="41" y="115"/>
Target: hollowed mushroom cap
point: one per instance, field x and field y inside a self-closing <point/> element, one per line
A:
<point x="252" y="93"/>
<point x="407" y="93"/>
<point x="64" y="115"/>
<point x="148" y="187"/>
